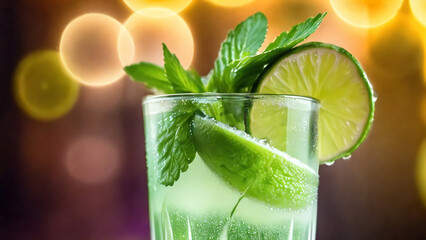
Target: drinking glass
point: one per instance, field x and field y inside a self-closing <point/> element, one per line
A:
<point x="232" y="189"/>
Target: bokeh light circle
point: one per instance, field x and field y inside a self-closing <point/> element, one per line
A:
<point x="396" y="61"/>
<point x="333" y="30"/>
<point x="91" y="50"/>
<point x="366" y="13"/>
<point x="423" y="110"/>
<point x="93" y="159"/>
<point x="418" y="8"/>
<point x="421" y="172"/>
<point x="230" y="3"/>
<point x="174" y="5"/>
<point x="148" y="32"/>
<point x="43" y="88"/>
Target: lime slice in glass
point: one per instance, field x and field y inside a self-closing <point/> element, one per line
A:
<point x="252" y="167"/>
<point x="334" y="77"/>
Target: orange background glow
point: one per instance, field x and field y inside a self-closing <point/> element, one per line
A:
<point x="72" y="158"/>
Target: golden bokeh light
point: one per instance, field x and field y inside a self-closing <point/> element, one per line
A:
<point x="418" y="8"/>
<point x="366" y="13"/>
<point x="337" y="32"/>
<point x="167" y="27"/>
<point x="333" y="30"/>
<point x="422" y="35"/>
<point x="231" y="3"/>
<point x="399" y="61"/>
<point x="421" y="172"/>
<point x="43" y="88"/>
<point x="174" y="5"/>
<point x="92" y="159"/>
<point x="420" y="30"/>
<point x="91" y="50"/>
<point x="423" y="110"/>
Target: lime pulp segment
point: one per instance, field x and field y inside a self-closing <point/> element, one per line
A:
<point x="252" y="167"/>
<point x="330" y="74"/>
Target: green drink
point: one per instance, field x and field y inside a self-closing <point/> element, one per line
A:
<point x="234" y="154"/>
<point x="238" y="186"/>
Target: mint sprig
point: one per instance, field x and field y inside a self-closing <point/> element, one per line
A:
<point x="236" y="69"/>
<point x="243" y="73"/>
<point x="181" y="80"/>
<point x="297" y="33"/>
<point x="241" y="42"/>
<point x="173" y="78"/>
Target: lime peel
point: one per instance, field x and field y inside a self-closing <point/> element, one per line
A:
<point x="332" y="75"/>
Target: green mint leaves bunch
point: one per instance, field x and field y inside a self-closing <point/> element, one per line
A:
<point x="236" y="70"/>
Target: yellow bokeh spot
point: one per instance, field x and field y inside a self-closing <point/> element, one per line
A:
<point x="167" y="27"/>
<point x="231" y="3"/>
<point x="43" y="88"/>
<point x="398" y="61"/>
<point x="92" y="51"/>
<point x="422" y="35"/>
<point x="421" y="172"/>
<point x="423" y="110"/>
<point x="174" y="5"/>
<point x="366" y="13"/>
<point x="333" y="30"/>
<point x="418" y="7"/>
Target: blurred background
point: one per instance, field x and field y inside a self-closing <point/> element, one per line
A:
<point x="72" y="160"/>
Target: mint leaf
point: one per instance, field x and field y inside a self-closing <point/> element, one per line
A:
<point x="241" y="42"/>
<point x="152" y="75"/>
<point x="174" y="143"/>
<point x="297" y="33"/>
<point x="243" y="73"/>
<point x="195" y="77"/>
<point x="247" y="70"/>
<point x="182" y="81"/>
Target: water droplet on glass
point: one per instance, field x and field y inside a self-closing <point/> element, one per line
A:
<point x="329" y="163"/>
<point x="375" y="97"/>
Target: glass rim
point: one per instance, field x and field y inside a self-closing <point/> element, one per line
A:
<point x="177" y="96"/>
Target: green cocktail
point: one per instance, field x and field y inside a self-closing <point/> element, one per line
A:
<point x="237" y="186"/>
<point x="228" y="161"/>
